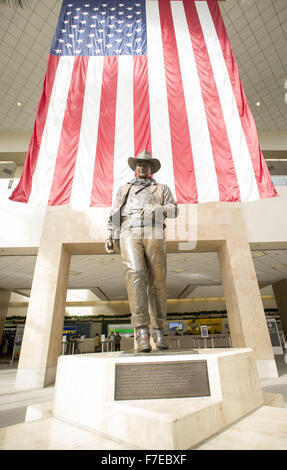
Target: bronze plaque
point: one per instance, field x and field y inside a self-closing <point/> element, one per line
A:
<point x="178" y="379"/>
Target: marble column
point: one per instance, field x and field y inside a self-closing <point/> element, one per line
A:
<point x="246" y="316"/>
<point x="4" y="304"/>
<point x="41" y="345"/>
<point x="280" y="294"/>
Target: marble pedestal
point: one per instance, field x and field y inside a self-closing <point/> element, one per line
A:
<point x="85" y="386"/>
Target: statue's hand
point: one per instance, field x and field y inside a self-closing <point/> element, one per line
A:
<point x="109" y="246"/>
<point x="151" y="208"/>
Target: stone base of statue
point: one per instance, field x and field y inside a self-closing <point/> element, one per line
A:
<point x="165" y="400"/>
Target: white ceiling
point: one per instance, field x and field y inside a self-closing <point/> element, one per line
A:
<point x="185" y="271"/>
<point x="257" y="31"/>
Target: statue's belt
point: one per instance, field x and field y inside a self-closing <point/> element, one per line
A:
<point x="138" y="220"/>
<point x="135" y="215"/>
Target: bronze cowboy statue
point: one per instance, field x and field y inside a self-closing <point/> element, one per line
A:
<point x="136" y="225"/>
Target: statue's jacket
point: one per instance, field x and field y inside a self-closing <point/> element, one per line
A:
<point x="159" y="194"/>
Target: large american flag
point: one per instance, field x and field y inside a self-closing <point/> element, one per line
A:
<point x="124" y="76"/>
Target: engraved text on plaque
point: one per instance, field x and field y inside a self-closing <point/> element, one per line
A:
<point x="176" y="379"/>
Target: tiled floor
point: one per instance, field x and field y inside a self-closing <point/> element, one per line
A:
<point x="54" y="434"/>
<point x="264" y="429"/>
<point x="13" y="402"/>
<point x="252" y="432"/>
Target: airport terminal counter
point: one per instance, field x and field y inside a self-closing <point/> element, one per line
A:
<point x="181" y="342"/>
<point x="188" y="341"/>
<point x="87" y="345"/>
<point x="196" y="341"/>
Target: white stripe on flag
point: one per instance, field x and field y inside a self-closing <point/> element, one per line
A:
<point x="159" y="118"/>
<point x="84" y="170"/>
<point x="240" y="153"/>
<point x="206" y="178"/>
<point x="124" y="127"/>
<point x="44" y="172"/>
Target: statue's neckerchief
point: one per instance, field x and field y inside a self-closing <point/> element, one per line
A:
<point x="143" y="183"/>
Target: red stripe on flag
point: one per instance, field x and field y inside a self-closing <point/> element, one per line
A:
<point x="22" y="192"/>
<point x="264" y="182"/>
<point x="224" y="165"/>
<point x="102" y="190"/>
<point x="142" y="132"/>
<point x="68" y="147"/>
<point x="184" y="175"/>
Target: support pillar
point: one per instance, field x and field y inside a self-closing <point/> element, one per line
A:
<point x="280" y="294"/>
<point x="4" y="304"/>
<point x="41" y="345"/>
<point x="246" y="316"/>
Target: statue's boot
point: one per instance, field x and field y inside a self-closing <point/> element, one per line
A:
<point x="143" y="339"/>
<point x="158" y="337"/>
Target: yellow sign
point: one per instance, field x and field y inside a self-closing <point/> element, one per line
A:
<point x="214" y="325"/>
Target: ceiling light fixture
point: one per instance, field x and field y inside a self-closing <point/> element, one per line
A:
<point x="258" y="104"/>
<point x="19" y="104"/>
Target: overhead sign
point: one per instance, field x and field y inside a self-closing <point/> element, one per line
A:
<point x="125" y="330"/>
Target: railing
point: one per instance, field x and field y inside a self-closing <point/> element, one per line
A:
<point x="197" y="342"/>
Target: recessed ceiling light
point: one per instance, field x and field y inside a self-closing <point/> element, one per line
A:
<point x="75" y="273"/>
<point x="258" y="104"/>
<point x="19" y="104"/>
<point x="178" y="270"/>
